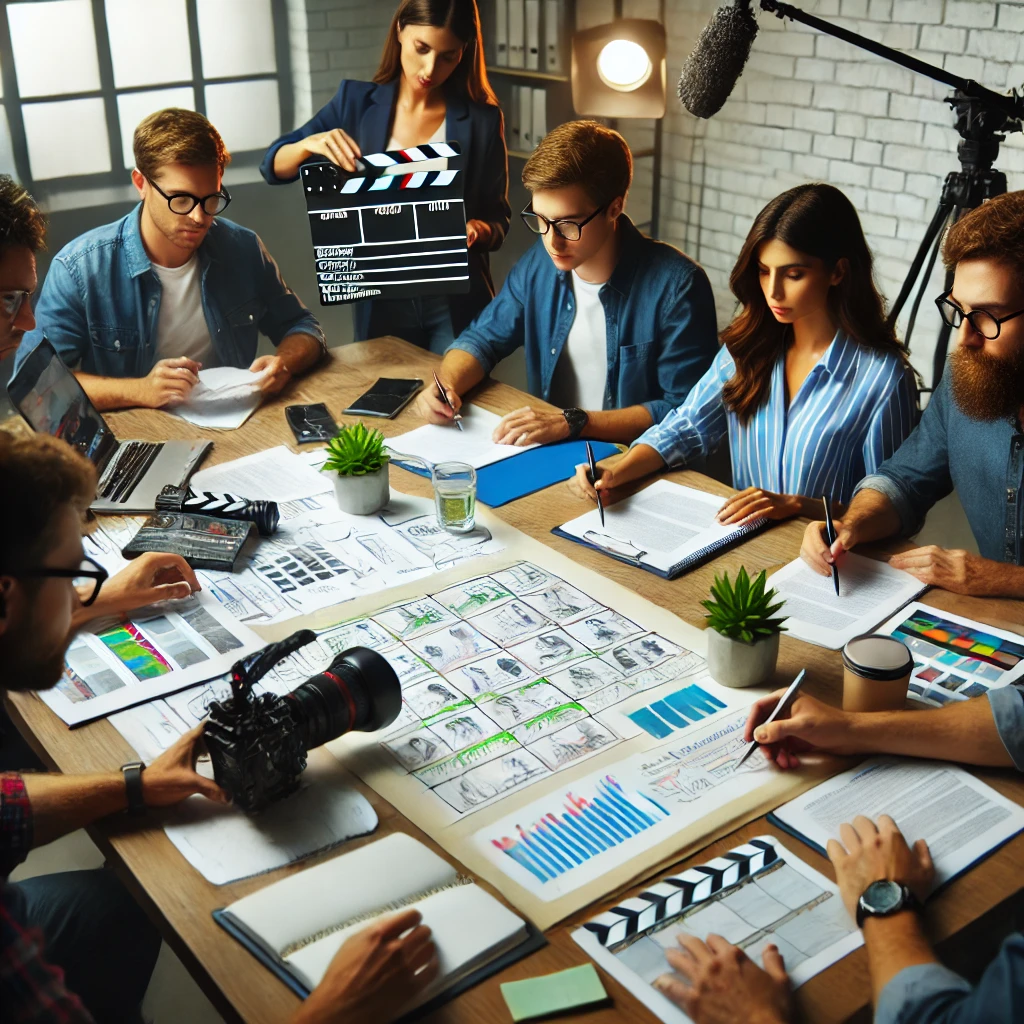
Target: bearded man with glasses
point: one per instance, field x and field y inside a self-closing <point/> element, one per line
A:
<point x="137" y="307"/>
<point x="971" y="436"/>
<point x="616" y="327"/>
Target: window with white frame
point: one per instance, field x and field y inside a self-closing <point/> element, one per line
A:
<point x="77" y="76"/>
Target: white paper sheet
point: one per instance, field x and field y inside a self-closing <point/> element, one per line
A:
<point x="869" y="591"/>
<point x="225" y="398"/>
<point x="472" y="445"/>
<point x="787" y="903"/>
<point x="275" y="474"/>
<point x="961" y="818"/>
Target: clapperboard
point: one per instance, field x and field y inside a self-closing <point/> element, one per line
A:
<point x="388" y="236"/>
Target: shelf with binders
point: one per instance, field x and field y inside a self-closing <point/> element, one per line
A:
<point x="528" y="39"/>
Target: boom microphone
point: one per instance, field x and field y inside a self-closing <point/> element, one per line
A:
<point x="717" y="61"/>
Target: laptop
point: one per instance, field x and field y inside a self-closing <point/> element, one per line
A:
<point x="131" y="473"/>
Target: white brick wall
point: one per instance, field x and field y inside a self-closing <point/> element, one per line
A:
<point x="809" y="107"/>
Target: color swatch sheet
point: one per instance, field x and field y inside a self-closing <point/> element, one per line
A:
<point x="955" y="658"/>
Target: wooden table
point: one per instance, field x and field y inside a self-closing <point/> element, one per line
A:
<point x="965" y="916"/>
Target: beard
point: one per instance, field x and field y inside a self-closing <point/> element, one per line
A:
<point x="987" y="387"/>
<point x="25" y="667"/>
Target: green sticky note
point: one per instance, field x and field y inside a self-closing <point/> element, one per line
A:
<point x="553" y="993"/>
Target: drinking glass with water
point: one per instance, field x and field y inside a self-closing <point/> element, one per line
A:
<point x="455" y="496"/>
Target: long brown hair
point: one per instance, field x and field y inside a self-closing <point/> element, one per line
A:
<point x="462" y="19"/>
<point x="820" y="221"/>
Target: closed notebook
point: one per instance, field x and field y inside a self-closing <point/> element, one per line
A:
<point x="666" y="529"/>
<point x="297" y="925"/>
<point x="205" y="542"/>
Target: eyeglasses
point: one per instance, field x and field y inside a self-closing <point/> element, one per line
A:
<point x="570" y="230"/>
<point x="86" y="579"/>
<point x="982" y="322"/>
<point x="184" y="203"/>
<point x="11" y="303"/>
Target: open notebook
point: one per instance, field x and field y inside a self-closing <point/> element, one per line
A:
<point x="666" y="529"/>
<point x="295" y="926"/>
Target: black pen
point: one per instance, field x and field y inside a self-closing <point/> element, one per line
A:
<point x="593" y="479"/>
<point x="456" y="418"/>
<point x="830" y="533"/>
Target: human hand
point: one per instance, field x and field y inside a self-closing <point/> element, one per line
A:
<point x="277" y="373"/>
<point x="870" y="853"/>
<point x="723" y="985"/>
<point x="531" y="426"/>
<point x="152" y="577"/>
<point x="432" y="408"/>
<point x="478" y="232"/>
<point x="952" y="569"/>
<point x="604" y="483"/>
<point x="172" y="776"/>
<point x="810" y="725"/>
<point x="337" y="145"/>
<point x="816" y="552"/>
<point x="375" y="974"/>
<point x="755" y="503"/>
<point x="168" y="383"/>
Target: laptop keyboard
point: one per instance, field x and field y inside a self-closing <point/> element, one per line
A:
<point x="128" y="466"/>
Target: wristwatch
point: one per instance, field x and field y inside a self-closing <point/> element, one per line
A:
<point x="132" y="773"/>
<point x="883" y="899"/>
<point x="577" y="420"/>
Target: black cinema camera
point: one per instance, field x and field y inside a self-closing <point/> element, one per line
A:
<point x="258" y="743"/>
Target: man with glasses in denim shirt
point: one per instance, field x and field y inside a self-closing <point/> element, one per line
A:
<point x="617" y="327"/>
<point x="140" y="305"/>
<point x="970" y="436"/>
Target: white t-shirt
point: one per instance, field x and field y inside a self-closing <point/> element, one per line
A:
<point x="582" y="371"/>
<point x="181" y="328"/>
<point x="440" y="164"/>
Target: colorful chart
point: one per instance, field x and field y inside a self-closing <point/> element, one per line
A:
<point x="962" y="641"/>
<point x="582" y="828"/>
<point x="676" y="711"/>
<point x="141" y="658"/>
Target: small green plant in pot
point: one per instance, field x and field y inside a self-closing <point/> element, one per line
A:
<point x="743" y="633"/>
<point x="358" y="463"/>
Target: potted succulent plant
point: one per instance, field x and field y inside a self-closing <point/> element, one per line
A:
<point x="358" y="462"/>
<point x="743" y="638"/>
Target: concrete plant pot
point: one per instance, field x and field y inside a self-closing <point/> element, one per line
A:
<point x="735" y="663"/>
<point x="362" y="495"/>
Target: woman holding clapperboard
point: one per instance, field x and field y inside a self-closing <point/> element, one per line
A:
<point x="431" y="86"/>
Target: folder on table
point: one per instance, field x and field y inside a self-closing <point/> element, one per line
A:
<point x="525" y="117"/>
<point x="553" y="36"/>
<point x="532" y="19"/>
<point x="501" y="33"/>
<point x="516" y="33"/>
<point x="539" y="120"/>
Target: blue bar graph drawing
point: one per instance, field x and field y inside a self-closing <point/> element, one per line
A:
<point x="677" y="711"/>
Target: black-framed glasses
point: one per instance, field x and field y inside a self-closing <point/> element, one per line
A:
<point x="570" y="230"/>
<point x="11" y="303"/>
<point x="982" y="322"/>
<point x="87" y="578"/>
<point x="184" y="203"/>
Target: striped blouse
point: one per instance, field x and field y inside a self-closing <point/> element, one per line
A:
<point x="854" y="409"/>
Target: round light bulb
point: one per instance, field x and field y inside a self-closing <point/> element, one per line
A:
<point x="624" y="65"/>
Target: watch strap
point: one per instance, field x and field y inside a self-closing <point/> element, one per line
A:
<point x="577" y="420"/>
<point x="132" y="773"/>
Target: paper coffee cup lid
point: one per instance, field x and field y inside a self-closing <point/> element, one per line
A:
<point x="876" y="656"/>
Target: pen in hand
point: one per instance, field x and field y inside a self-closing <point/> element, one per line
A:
<point x="443" y="395"/>
<point x="593" y="479"/>
<point x="830" y="533"/>
<point x="780" y="709"/>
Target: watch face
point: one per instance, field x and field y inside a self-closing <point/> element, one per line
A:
<point x="882" y="897"/>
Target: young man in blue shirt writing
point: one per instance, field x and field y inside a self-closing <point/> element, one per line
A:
<point x="617" y="327"/>
<point x="140" y="305"/>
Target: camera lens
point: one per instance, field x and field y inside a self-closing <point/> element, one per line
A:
<point x="359" y="691"/>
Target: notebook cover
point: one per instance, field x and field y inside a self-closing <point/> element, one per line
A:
<point x="532" y="470"/>
<point x="205" y="542"/>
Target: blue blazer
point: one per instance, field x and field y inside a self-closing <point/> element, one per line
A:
<point x="365" y="111"/>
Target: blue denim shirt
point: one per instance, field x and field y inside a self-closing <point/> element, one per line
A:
<point x="101" y="298"/>
<point x="659" y="313"/>
<point x="983" y="460"/>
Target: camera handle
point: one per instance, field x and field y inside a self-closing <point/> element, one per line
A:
<point x="251" y="669"/>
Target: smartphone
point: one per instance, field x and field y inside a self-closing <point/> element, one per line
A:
<point x="310" y="422"/>
<point x="387" y="398"/>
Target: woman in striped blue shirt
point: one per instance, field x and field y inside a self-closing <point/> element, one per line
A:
<point x="811" y="386"/>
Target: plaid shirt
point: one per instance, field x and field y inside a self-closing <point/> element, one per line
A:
<point x="30" y="988"/>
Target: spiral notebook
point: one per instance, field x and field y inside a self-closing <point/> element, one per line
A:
<point x="666" y="528"/>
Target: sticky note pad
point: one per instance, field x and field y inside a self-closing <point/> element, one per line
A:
<point x="553" y="993"/>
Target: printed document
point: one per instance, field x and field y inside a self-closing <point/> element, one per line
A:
<point x="869" y="592"/>
<point x="962" y="819"/>
<point x="275" y="474"/>
<point x="473" y="445"/>
<point x="225" y="397"/>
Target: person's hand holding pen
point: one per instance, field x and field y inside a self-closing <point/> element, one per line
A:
<point x="434" y="409"/>
<point x="816" y="550"/>
<point x="641" y="460"/>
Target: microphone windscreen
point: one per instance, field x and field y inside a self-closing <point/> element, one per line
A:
<point x="717" y="61"/>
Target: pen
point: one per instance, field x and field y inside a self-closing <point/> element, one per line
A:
<point x="444" y="398"/>
<point x="830" y="532"/>
<point x="783" y="705"/>
<point x="593" y="477"/>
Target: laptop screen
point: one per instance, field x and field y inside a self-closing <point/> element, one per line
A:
<point x="49" y="396"/>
